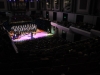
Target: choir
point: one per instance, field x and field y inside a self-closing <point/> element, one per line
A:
<point x="23" y="30"/>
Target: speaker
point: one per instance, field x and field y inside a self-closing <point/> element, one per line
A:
<point x="54" y="16"/>
<point x="79" y="18"/>
<point x="97" y="27"/>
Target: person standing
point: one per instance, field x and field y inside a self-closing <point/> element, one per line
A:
<point x="31" y="35"/>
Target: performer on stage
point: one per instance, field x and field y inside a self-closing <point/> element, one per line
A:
<point x="31" y="35"/>
<point x="14" y="36"/>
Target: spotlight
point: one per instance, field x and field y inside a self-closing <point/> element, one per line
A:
<point x="31" y="0"/>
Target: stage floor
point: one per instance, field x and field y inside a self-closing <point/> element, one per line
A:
<point x="39" y="34"/>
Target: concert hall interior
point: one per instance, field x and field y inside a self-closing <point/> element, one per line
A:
<point x="50" y="37"/>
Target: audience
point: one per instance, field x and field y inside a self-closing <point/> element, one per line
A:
<point x="49" y="56"/>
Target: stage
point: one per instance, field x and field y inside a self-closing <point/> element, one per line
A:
<point x="28" y="36"/>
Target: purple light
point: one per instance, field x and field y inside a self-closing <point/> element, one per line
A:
<point x="31" y="0"/>
<point x="14" y="0"/>
<point x="10" y="0"/>
<point x="28" y="36"/>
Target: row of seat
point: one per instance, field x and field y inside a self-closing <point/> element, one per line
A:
<point x="50" y="55"/>
<point x="80" y="25"/>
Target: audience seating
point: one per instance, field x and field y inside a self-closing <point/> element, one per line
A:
<point x="80" y="25"/>
<point x="49" y="56"/>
